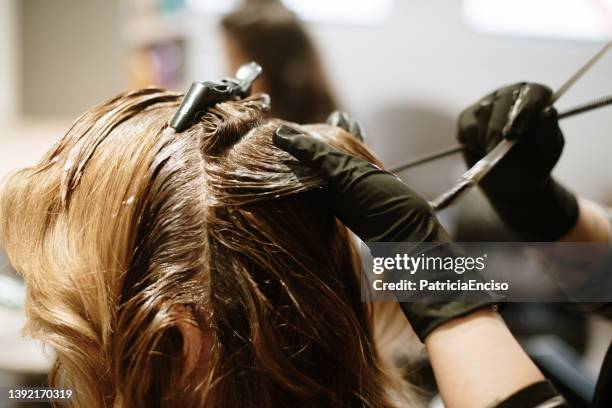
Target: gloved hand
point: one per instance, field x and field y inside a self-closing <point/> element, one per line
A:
<point x="520" y="186"/>
<point x="378" y="207"/>
<point x="343" y="121"/>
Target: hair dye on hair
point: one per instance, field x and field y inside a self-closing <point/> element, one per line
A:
<point x="126" y="232"/>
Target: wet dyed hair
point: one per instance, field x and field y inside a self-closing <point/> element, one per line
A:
<point x="125" y="231"/>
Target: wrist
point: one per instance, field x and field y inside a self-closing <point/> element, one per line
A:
<point x="452" y="328"/>
<point x="477" y="361"/>
<point x="594" y="224"/>
<point x="545" y="215"/>
<point x="427" y="318"/>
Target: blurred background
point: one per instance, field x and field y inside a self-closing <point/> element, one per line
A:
<point x="404" y="68"/>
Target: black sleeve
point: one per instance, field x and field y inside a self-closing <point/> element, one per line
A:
<point x="541" y="394"/>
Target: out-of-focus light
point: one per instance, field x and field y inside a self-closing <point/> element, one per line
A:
<point x="12" y="292"/>
<point x="358" y="12"/>
<point x="213" y="6"/>
<point x="566" y="19"/>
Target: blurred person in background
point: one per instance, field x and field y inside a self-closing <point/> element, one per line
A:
<point x="262" y="31"/>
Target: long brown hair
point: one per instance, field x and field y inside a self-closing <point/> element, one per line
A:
<point x="269" y="33"/>
<point x="125" y="230"/>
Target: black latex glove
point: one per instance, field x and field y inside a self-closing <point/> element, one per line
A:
<point x="520" y="187"/>
<point x="378" y="207"/>
<point x="343" y="120"/>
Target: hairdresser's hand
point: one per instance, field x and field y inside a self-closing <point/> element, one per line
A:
<point x="379" y="207"/>
<point x="344" y="121"/>
<point x="520" y="187"/>
<point x="373" y="203"/>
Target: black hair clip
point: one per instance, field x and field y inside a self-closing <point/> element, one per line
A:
<point x="203" y="95"/>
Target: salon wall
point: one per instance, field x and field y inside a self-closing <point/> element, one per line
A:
<point x="419" y="70"/>
<point x="72" y="55"/>
<point x="8" y="59"/>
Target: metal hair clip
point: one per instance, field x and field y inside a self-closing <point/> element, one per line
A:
<point x="203" y="95"/>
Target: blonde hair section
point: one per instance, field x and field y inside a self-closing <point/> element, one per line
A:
<point x="125" y="230"/>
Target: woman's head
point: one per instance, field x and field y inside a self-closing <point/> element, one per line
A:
<point x="270" y="34"/>
<point x="193" y="268"/>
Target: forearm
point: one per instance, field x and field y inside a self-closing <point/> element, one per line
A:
<point x="477" y="362"/>
<point x="583" y="268"/>
<point x="592" y="224"/>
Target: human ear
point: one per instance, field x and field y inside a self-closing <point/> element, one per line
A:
<point x="192" y="339"/>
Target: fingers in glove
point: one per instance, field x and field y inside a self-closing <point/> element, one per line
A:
<point x="327" y="161"/>
<point x="532" y="99"/>
<point x="343" y="120"/>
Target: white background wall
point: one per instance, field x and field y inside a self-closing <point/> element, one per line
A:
<point x="72" y="55"/>
<point x="425" y="56"/>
